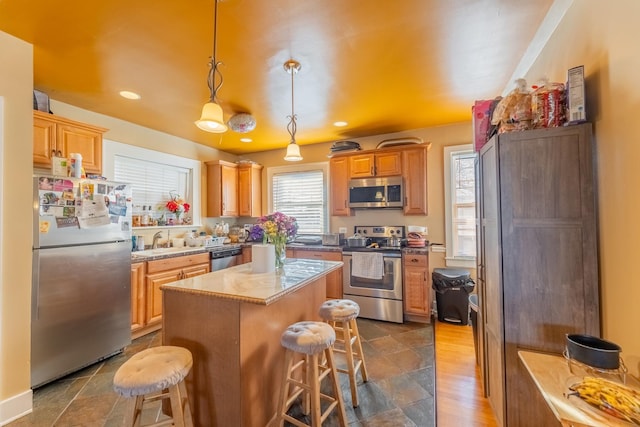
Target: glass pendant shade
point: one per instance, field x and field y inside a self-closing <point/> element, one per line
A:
<point x="293" y="153"/>
<point x="211" y="119"/>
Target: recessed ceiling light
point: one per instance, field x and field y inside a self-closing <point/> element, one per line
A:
<point x="340" y="124"/>
<point x="129" y="95"/>
<point x="246" y="140"/>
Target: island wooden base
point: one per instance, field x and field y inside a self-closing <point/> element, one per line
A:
<point x="237" y="356"/>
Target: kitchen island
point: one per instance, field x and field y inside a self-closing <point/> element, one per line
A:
<point x="231" y="320"/>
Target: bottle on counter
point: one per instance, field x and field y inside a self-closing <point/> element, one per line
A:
<point x="144" y="219"/>
<point x="136" y="217"/>
<point x="140" y="243"/>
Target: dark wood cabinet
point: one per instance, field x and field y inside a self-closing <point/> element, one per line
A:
<point x="538" y="262"/>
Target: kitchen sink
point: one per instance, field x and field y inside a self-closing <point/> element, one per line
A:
<point x="162" y="251"/>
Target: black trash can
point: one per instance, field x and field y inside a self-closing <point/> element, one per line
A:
<point x="473" y="316"/>
<point x="452" y="286"/>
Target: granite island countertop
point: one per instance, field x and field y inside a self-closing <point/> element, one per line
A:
<point x="240" y="284"/>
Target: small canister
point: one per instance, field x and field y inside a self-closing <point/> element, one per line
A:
<point x="140" y="241"/>
<point x="75" y="165"/>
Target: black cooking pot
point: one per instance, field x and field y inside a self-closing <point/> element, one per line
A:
<point x="593" y="351"/>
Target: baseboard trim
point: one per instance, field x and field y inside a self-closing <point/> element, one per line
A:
<point x="16" y="407"/>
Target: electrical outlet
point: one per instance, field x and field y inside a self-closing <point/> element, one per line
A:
<point x="342" y="230"/>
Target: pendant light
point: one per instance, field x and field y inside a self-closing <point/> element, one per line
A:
<point x="211" y="119"/>
<point x="293" y="149"/>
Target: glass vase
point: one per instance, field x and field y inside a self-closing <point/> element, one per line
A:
<point x="280" y="243"/>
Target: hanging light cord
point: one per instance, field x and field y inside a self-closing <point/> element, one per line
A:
<point x="292" y="127"/>
<point x="213" y="64"/>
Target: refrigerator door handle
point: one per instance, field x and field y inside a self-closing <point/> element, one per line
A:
<point x="35" y="279"/>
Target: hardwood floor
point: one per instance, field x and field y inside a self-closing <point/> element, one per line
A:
<point x="459" y="399"/>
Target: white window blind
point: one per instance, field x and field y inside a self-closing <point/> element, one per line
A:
<point x="302" y="194"/>
<point x="464" y="205"/>
<point x="460" y="205"/>
<point x="152" y="182"/>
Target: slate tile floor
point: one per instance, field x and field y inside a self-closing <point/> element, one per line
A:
<point x="400" y="390"/>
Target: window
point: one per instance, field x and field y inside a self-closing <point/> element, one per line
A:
<point x="154" y="176"/>
<point x="300" y="191"/>
<point x="460" y="205"/>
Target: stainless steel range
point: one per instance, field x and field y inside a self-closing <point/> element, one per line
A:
<point x="372" y="275"/>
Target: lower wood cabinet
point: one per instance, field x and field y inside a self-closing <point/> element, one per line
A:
<point x="246" y="254"/>
<point x="138" y="272"/>
<point x="417" y="287"/>
<point x="146" y="279"/>
<point x="334" y="279"/>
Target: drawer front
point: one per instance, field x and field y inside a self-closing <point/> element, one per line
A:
<point x="415" y="261"/>
<point x="323" y="255"/>
<point x="177" y="262"/>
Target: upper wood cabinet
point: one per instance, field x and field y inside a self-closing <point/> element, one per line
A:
<point x="339" y="194"/>
<point x="375" y="164"/>
<point x="234" y="189"/>
<point x="250" y="189"/>
<point x="410" y="162"/>
<point x="54" y="135"/>
<point x="414" y="172"/>
<point x="222" y="188"/>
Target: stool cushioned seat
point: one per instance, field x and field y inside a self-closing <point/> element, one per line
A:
<point x="339" y="310"/>
<point x="152" y="370"/>
<point x="308" y="337"/>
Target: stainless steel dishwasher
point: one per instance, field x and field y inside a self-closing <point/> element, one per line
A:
<point x="225" y="258"/>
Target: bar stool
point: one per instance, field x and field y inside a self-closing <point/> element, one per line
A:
<point x="313" y="340"/>
<point x="342" y="314"/>
<point x="147" y="374"/>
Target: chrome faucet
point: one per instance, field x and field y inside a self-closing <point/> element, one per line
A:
<point x="156" y="236"/>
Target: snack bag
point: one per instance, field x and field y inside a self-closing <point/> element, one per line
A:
<point x="513" y="112"/>
<point x="548" y="105"/>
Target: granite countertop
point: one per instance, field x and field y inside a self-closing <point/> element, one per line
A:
<point x="161" y="253"/>
<point x="240" y="284"/>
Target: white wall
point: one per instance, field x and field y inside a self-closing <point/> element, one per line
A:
<point x="16" y="89"/>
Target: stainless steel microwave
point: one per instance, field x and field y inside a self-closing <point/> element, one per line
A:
<point x="385" y="192"/>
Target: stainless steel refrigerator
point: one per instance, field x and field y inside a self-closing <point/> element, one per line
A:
<point x="81" y="291"/>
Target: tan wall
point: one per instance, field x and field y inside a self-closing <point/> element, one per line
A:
<point x="602" y="37"/>
<point x="439" y="137"/>
<point x="16" y="86"/>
